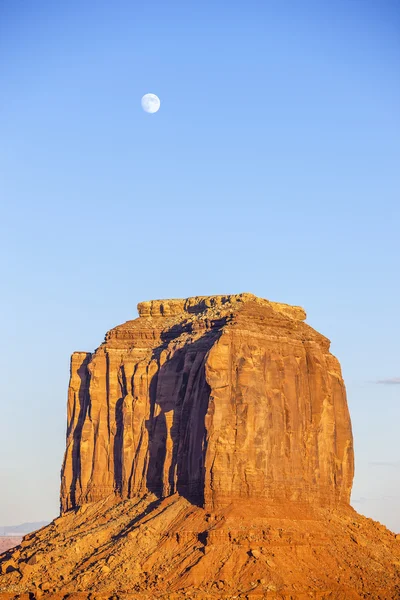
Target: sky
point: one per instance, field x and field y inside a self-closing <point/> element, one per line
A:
<point x="272" y="167"/>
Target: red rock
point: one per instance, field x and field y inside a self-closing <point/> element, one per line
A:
<point x="209" y="455"/>
<point x="217" y="398"/>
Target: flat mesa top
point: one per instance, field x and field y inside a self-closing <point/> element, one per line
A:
<point x="200" y="304"/>
<point x="168" y="319"/>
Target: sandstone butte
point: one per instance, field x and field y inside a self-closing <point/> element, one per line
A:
<point x="209" y="455"/>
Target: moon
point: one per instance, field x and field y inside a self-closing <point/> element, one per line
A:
<point x="150" y="103"/>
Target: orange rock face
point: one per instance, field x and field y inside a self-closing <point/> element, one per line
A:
<point x="209" y="456"/>
<point x="218" y="398"/>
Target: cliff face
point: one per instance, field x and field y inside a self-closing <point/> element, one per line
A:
<point x="221" y="399"/>
<point x="209" y="456"/>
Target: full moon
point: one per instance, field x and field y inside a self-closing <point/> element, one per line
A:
<point x="150" y="103"/>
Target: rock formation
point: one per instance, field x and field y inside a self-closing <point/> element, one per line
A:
<point x="209" y="455"/>
<point x="219" y="399"/>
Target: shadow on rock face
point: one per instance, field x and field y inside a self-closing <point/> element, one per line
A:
<point x="179" y="400"/>
<point x="83" y="399"/>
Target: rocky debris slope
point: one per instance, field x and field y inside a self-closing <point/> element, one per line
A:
<point x="169" y="548"/>
<point x="209" y="455"/>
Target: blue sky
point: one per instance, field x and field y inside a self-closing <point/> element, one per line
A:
<point x="272" y="167"/>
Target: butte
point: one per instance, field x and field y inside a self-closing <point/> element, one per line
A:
<point x="209" y="455"/>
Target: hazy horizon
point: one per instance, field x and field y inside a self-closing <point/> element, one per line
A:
<point x="271" y="168"/>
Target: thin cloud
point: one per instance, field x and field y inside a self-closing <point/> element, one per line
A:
<point x="389" y="381"/>
<point x="363" y="499"/>
<point x="360" y="500"/>
<point x="395" y="464"/>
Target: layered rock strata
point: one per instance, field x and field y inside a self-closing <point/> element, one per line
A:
<point x="219" y="398"/>
<point x="209" y="456"/>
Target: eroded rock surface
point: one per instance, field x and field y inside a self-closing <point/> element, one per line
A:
<point x="217" y="398"/>
<point x="146" y="548"/>
<point x="209" y="455"/>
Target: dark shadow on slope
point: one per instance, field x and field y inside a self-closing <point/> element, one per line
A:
<point x="131" y="525"/>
